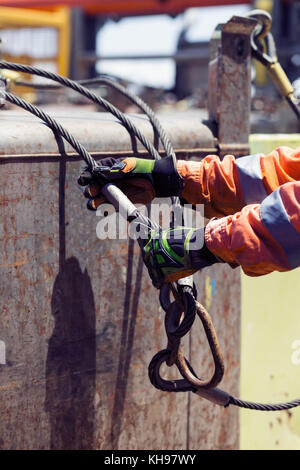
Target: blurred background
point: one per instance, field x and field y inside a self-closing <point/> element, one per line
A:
<point x="159" y="48"/>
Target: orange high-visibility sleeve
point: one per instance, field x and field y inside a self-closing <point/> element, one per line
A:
<point x="225" y="186"/>
<point x="261" y="238"/>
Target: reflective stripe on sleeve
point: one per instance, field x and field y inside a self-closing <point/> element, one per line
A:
<point x="276" y="220"/>
<point x="251" y="178"/>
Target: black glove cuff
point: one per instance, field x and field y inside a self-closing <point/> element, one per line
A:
<point x="203" y="257"/>
<point x="166" y="179"/>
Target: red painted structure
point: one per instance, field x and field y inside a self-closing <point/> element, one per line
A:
<point x="132" y="7"/>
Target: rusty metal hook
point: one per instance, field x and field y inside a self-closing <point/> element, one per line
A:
<point x="177" y="323"/>
<point x="214" y="345"/>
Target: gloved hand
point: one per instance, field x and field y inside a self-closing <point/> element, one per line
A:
<point x="175" y="253"/>
<point x="140" y="179"/>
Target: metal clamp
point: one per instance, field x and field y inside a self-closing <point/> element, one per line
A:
<point x="264" y="50"/>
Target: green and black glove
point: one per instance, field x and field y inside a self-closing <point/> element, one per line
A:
<point x="175" y="253"/>
<point x="140" y="179"/>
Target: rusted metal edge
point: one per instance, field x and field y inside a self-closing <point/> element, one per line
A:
<point x="240" y="25"/>
<point x="238" y="150"/>
<point x="181" y="153"/>
<point x="100" y="133"/>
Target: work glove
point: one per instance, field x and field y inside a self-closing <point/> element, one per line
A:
<point x="176" y="253"/>
<point x="140" y="179"/>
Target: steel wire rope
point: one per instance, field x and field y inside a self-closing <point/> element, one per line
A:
<point x="77" y="86"/>
<point x="129" y="125"/>
<point x="122" y="90"/>
<point x="53" y="86"/>
<point x="109" y="107"/>
<point x="62" y="131"/>
<point x="53" y="124"/>
<point x="263" y="406"/>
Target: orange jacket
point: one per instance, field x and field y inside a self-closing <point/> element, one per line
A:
<point x="257" y="201"/>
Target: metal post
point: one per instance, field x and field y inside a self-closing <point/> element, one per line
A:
<point x="77" y="71"/>
<point x="230" y="85"/>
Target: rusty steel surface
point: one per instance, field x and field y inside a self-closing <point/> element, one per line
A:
<point x="81" y="321"/>
<point x="102" y="134"/>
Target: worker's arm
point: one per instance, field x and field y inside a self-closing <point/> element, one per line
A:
<point x="261" y="237"/>
<point x="225" y="186"/>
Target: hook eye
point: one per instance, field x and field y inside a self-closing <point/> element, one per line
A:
<point x="264" y="20"/>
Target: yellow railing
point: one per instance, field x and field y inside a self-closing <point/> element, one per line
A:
<point x="58" y="18"/>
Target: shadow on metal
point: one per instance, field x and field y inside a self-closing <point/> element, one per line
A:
<point x="131" y="304"/>
<point x="71" y="359"/>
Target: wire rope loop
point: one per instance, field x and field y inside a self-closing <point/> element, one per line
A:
<point x="165" y="291"/>
<point x="179" y="385"/>
<point x="262" y="42"/>
<point x="178" y="320"/>
<point x="264" y="22"/>
<point x="215" y="349"/>
<point x="264" y="50"/>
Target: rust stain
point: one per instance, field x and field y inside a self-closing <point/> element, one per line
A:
<point x="157" y="329"/>
<point x="10" y="386"/>
<point x="47" y="271"/>
<point x="21" y="259"/>
<point x="19" y="236"/>
<point x="289" y="414"/>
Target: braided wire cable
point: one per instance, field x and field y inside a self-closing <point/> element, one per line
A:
<point x="53" y="124"/>
<point x="59" y="129"/>
<point x="263" y="406"/>
<point x="107" y="105"/>
<point x="57" y="86"/>
<point x="130" y="126"/>
<point x="77" y="86"/>
<point x="123" y="91"/>
<point x="146" y="109"/>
